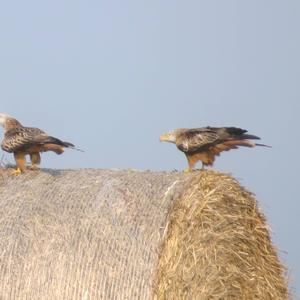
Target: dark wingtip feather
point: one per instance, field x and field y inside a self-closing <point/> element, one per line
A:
<point x="77" y="149"/>
<point x="235" y="130"/>
<point x="241" y="133"/>
<point x="263" y="145"/>
<point x="250" y="137"/>
<point x="68" y="145"/>
<point x="71" y="146"/>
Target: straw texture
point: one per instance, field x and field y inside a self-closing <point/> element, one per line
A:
<point x="111" y="234"/>
<point x="218" y="246"/>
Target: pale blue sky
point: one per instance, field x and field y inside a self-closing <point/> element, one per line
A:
<point x="111" y="76"/>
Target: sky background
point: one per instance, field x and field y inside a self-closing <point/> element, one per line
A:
<point x="111" y="76"/>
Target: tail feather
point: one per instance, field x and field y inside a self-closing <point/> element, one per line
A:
<point x="71" y="146"/>
<point x="243" y="142"/>
<point x="58" y="149"/>
<point x="59" y="142"/>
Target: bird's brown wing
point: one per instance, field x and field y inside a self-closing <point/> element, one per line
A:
<point x="22" y="138"/>
<point x="193" y="140"/>
<point x="18" y="138"/>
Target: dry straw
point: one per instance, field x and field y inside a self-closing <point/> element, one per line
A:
<point x="103" y="234"/>
<point x="218" y="246"/>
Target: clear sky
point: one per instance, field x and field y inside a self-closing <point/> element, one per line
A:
<point x="111" y="76"/>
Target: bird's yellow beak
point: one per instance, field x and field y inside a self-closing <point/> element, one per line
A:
<point x="163" y="138"/>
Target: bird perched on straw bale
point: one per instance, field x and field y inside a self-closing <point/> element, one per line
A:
<point x="207" y="142"/>
<point x="21" y="141"/>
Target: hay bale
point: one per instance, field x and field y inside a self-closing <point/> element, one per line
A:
<point x="104" y="234"/>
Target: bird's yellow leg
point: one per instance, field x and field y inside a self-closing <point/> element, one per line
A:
<point x="35" y="160"/>
<point x="21" y="163"/>
<point x="191" y="161"/>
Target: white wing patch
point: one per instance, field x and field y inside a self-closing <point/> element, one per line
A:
<point x="185" y="145"/>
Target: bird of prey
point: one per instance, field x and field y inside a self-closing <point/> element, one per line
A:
<point x="205" y="143"/>
<point x="22" y="141"/>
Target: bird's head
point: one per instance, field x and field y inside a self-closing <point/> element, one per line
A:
<point x="170" y="136"/>
<point x="3" y="118"/>
<point x="8" y="122"/>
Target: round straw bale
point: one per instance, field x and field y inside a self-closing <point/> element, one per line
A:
<point x="109" y="234"/>
<point x="217" y="246"/>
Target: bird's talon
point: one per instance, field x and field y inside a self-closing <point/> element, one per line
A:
<point x="16" y="172"/>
